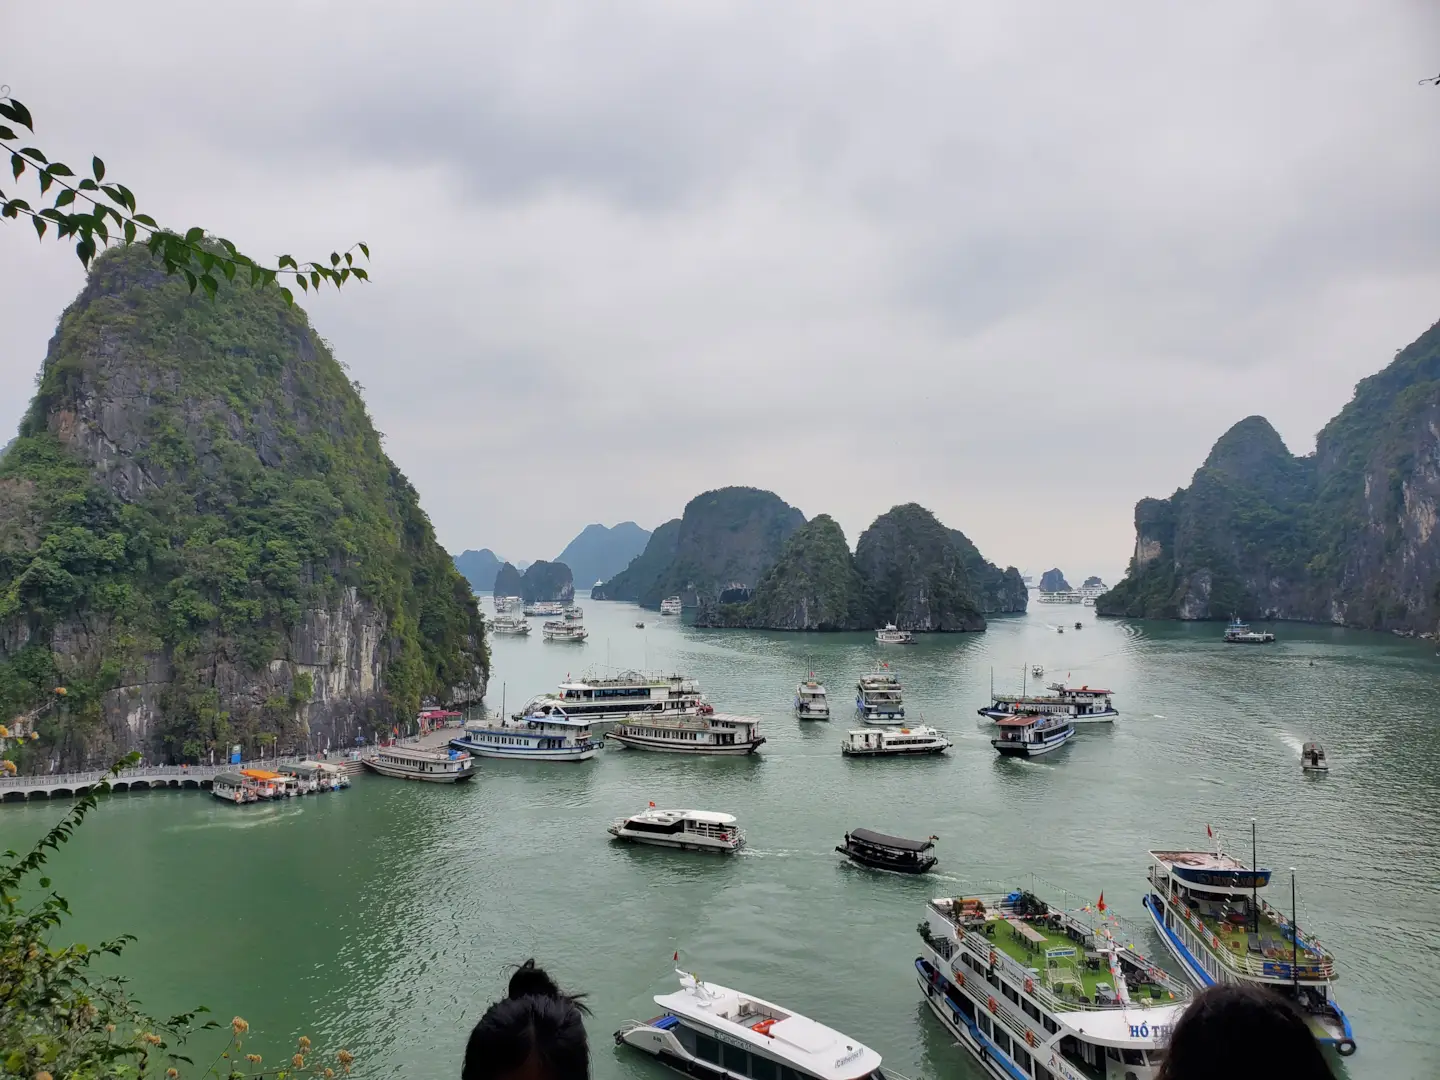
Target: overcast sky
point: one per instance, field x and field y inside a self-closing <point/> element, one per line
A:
<point x="1020" y="262"/>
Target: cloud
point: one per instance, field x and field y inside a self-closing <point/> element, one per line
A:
<point x="1022" y="263"/>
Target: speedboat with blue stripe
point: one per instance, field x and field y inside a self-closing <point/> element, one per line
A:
<point x="1208" y="910"/>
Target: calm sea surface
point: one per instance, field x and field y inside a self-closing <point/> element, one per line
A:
<point x="383" y="918"/>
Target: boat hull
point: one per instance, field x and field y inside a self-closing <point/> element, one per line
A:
<point x="1028" y="750"/>
<point x="811" y="714"/>
<point x="520" y="753"/>
<point x="906" y="751"/>
<point x="406" y="774"/>
<point x="677" y="843"/>
<point x="896" y="866"/>
<point x="666" y="746"/>
<point x="962" y="1030"/>
<point x="880" y="719"/>
<point x="1107" y="717"/>
<point x="665" y="1048"/>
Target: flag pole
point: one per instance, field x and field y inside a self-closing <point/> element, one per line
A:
<point x="1254" y="883"/>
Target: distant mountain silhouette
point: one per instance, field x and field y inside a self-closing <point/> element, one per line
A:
<point x="478" y="568"/>
<point x="598" y="553"/>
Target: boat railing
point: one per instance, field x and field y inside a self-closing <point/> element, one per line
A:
<point x="1314" y="964"/>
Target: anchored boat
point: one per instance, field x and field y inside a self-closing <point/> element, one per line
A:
<point x="509" y="624"/>
<point x="893" y="742"/>
<point x="1034" y="990"/>
<point x="893" y="635"/>
<point x="543" y="736"/>
<point x="692" y="830"/>
<point x="1080" y="704"/>
<point x="411" y="763"/>
<point x="547" y="608"/>
<point x="883" y="852"/>
<point x="711" y="733"/>
<point x="564" y="631"/>
<point x="878" y="698"/>
<point x="810" y="700"/>
<point x="714" y="1033"/>
<point x="1031" y="735"/>
<point x="630" y="693"/>
<point x="1208" y="910"/>
<point x="1238" y="633"/>
<point x="671" y="605"/>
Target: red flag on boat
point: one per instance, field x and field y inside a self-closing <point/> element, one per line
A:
<point x="652" y="804"/>
<point x="1101" y="904"/>
<point x="1208" y="832"/>
<point x="677" y="956"/>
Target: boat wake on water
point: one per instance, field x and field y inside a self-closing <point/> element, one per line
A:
<point x="1292" y="742"/>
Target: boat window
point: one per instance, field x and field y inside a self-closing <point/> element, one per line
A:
<point x="984" y="1022"/>
<point x="1112" y="1053"/>
<point x="1042" y="1073"/>
<point x="1022" y="1058"/>
<point x="1134" y="1057"/>
<point x="1050" y="1025"/>
<point x="707" y="1049"/>
<point x="1002" y="1040"/>
<point x="787" y="1073"/>
<point x="1011" y="993"/>
<point x="762" y="1068"/>
<point x="1030" y="1010"/>
<point x="735" y="1059"/>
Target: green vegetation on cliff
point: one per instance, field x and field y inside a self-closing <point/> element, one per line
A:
<point x="915" y="575"/>
<point x="508" y="581"/>
<point x="812" y="586"/>
<point x="196" y="494"/>
<point x="546" y="581"/>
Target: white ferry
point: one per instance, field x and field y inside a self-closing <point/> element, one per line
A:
<point x="712" y="733"/>
<point x="893" y="742"/>
<point x="1031" y="735"/>
<point x="1239" y="633"/>
<point x="630" y="693"/>
<point x="1080" y="704"/>
<point x="546" y="737"/>
<point x="574" y="613"/>
<point x="893" y="635"/>
<point x="564" y="631"/>
<point x="506" y="603"/>
<point x="711" y="1032"/>
<point x="1032" y="990"/>
<point x="1061" y="596"/>
<point x="547" y="608"/>
<point x="509" y="624"/>
<point x="878" y="698"/>
<point x="810" y="700"/>
<point x="411" y="763"/>
<point x="671" y="605"/>
<point x="691" y="830"/>
<point x="1207" y="908"/>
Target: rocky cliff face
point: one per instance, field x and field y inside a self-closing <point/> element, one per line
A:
<point x="508" y="581"/>
<point x="643" y="577"/>
<point x="1346" y="535"/>
<point x="996" y="591"/>
<point x="914" y="574"/>
<point x="1053" y="581"/>
<point x="203" y="542"/>
<point x="547" y="581"/>
<point x="812" y="586"/>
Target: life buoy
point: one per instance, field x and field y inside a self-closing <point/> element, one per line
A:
<point x="1345" y="1047"/>
<point x="991" y="1005"/>
<point x="1030" y="1038"/>
<point x="960" y="975"/>
<point x="1029" y="986"/>
<point x="994" y="958"/>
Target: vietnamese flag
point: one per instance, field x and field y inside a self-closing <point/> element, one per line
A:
<point x="1101" y="904"/>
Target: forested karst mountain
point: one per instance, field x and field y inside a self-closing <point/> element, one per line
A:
<point x="598" y="553"/>
<point x="547" y="581"/>
<point x="202" y="540"/>
<point x="643" y="577"/>
<point x="478" y="568"/>
<point x="1346" y="535"/>
<point x="1053" y="581"/>
<point x="508" y="581"/>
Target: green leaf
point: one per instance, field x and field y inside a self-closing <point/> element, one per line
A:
<point x="114" y="194"/>
<point x="210" y="284"/>
<point x="34" y="155"/>
<point x="14" y="206"/>
<point x="65" y="197"/>
<point x="17" y="165"/>
<point x="59" y="168"/>
<point x="129" y="232"/>
<point x="226" y="244"/>
<point x="361" y="273"/>
<point x="45" y="182"/>
<point x="228" y="269"/>
<point x="147" y="220"/>
<point x="129" y="197"/>
<point x="288" y="295"/>
<point x="195" y="235"/>
<point x="365" y="248"/>
<point x="40" y="228"/>
<point x="315" y="280"/>
<point x="349" y="259"/>
<point x="284" y="261"/>
<point x="98" y="167"/>
<point x="300" y="280"/>
<point x="192" y="279"/>
<point x="334" y="258"/>
<point x="6" y="133"/>
<point x="85" y="250"/>
<point x="13" y="110"/>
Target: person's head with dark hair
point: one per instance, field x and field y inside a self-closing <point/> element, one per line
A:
<point x="1243" y="1033"/>
<point x="534" y="1033"/>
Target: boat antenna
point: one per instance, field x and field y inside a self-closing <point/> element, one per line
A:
<point x="502" y="701"/>
<point x="1254" y="883"/>
<point x="1294" y="937"/>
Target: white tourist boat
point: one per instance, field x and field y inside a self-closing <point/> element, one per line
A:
<point x="671" y="605"/>
<point x="1208" y="910"/>
<point x="1239" y="633"/>
<point x="691" y="830"/>
<point x="448" y="766"/>
<point x="1062" y="596"/>
<point x="878" y="698"/>
<point x="710" y="733"/>
<point x="893" y="742"/>
<point x="506" y="603"/>
<point x="810" y="700"/>
<point x="711" y="1032"/>
<point x="615" y="697"/>
<point x="509" y="624"/>
<point x="548" y="737"/>
<point x="546" y="608"/>
<point x="231" y="787"/>
<point x="574" y="613"/>
<point x="1079" y="704"/>
<point x="1031" y="734"/>
<point x="1031" y="989"/>
<point x="1312" y="758"/>
<point x="564" y="631"/>
<point x="893" y="635"/>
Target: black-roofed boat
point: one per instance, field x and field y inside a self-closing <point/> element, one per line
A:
<point x="889" y="852"/>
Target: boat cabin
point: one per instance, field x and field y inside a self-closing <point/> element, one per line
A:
<point x="889" y="852"/>
<point x="1312" y="758"/>
<point x="232" y="787"/>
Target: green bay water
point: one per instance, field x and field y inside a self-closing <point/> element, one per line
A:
<point x="384" y="918"/>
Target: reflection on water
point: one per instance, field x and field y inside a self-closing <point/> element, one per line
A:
<point x="384" y="918"/>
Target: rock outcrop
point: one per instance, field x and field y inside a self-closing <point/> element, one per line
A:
<point x="598" y="553"/>
<point x="202" y="540"/>
<point x="508" y="581"/>
<point x="643" y="577"/>
<point x="915" y="575"/>
<point x="1092" y="582"/>
<point x="478" y="568"/>
<point x="1053" y="581"/>
<point x="547" y="581"/>
<point x="1347" y="535"/>
<point x="996" y="591"/>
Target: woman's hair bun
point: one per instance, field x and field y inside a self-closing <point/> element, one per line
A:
<point x="532" y="981"/>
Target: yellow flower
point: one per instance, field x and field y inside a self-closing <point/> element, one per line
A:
<point x="151" y="1038"/>
<point x="171" y="1074"/>
<point x="298" y="1061"/>
<point x="329" y="1073"/>
<point x="304" y="1042"/>
<point x="254" y="1059"/>
<point x="110" y="1029"/>
<point x="344" y="1057"/>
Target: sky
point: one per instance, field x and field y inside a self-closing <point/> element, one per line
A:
<point x="1021" y="262"/>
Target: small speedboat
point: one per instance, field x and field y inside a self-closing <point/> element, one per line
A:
<point x="1312" y="758"/>
<point x="889" y="852"/>
<point x="1077" y="626"/>
<point x="639" y="626"/>
<point x="692" y="830"/>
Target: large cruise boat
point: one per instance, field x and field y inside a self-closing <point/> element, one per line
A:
<point x="506" y="603"/>
<point x="878" y="698"/>
<point x="545" y="737"/>
<point x="547" y="608"/>
<point x="707" y="732"/>
<point x="1035" y="990"/>
<point x="671" y="605"/>
<point x="1031" y="735"/>
<point x="411" y="763"/>
<point x="508" y="624"/>
<point x="1080" y="704"/>
<point x="630" y="693"/>
<point x="1208" y="910"/>
<point x="714" y="1033"/>
<point x="557" y="630"/>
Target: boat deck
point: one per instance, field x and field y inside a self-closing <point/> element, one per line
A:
<point x="1271" y="941"/>
<point x="1071" y="978"/>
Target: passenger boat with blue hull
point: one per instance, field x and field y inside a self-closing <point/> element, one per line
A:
<point x="548" y="736"/>
<point x="711" y="1032"/>
<point x="1035" y="991"/>
<point x="879" y="698"/>
<point x="1080" y="704"/>
<point x="1031" y="736"/>
<point x="1207" y="908"/>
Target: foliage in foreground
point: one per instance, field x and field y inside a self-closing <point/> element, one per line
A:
<point x="62" y="1018"/>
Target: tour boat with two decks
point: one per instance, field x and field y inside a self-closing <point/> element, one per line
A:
<point x="506" y="603"/>
<point x="1036" y="990"/>
<point x="689" y="830"/>
<point x="705" y="732"/>
<point x="671" y="605"/>
<point x="1031" y="735"/>
<point x="546" y="608"/>
<point x="810" y="700"/>
<point x="564" y="631"/>
<point x="548" y="736"/>
<point x="894" y="742"/>
<point x="1080" y="704"/>
<point x="879" y="699"/>
<point x="1239" y="633"/>
<point x="1209" y="912"/>
<point x="574" y="613"/>
<point x="449" y="766"/>
<point x="711" y="1032"/>
<point x="893" y="635"/>
<point x="615" y="697"/>
<point x="509" y="624"/>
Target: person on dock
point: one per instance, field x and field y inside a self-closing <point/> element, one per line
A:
<point x="535" y="1033"/>
<point x="1242" y="1032"/>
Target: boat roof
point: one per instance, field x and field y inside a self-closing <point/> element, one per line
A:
<point x="260" y="774"/>
<point x="1199" y="860"/>
<point x="730" y="717"/>
<point x="706" y="817"/>
<point x="816" y="1049"/>
<point x="1022" y="720"/>
<point x="899" y="843"/>
<point x="415" y="753"/>
<point x="231" y="778"/>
